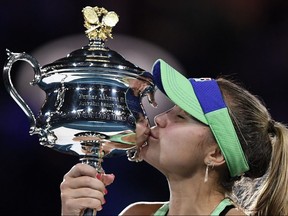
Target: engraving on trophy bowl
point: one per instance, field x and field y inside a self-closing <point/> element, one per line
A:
<point x="75" y="115"/>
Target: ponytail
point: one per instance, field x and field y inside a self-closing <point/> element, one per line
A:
<point x="263" y="189"/>
<point x="273" y="195"/>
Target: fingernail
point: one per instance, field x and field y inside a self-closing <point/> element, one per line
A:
<point x="105" y="191"/>
<point x="104" y="201"/>
<point x="98" y="176"/>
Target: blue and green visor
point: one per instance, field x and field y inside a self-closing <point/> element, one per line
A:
<point x="202" y="99"/>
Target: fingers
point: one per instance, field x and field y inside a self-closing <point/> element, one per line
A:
<point x="107" y="179"/>
<point x="77" y="200"/>
<point x="82" y="187"/>
<point x="81" y="170"/>
<point x="82" y="182"/>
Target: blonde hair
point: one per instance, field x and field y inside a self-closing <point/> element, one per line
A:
<point x="265" y="144"/>
<point x="273" y="198"/>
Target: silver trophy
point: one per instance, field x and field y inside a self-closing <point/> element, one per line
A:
<point x="93" y="96"/>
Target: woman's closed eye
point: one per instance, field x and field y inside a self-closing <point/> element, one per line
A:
<point x="180" y="116"/>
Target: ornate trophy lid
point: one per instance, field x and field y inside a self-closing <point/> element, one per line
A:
<point x="94" y="56"/>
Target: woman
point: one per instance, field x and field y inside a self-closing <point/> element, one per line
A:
<point x="217" y="138"/>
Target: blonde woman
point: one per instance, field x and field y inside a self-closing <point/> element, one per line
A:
<point x="216" y="140"/>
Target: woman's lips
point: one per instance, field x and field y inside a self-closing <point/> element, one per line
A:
<point x="151" y="134"/>
<point x="154" y="134"/>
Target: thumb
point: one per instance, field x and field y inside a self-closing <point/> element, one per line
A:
<point x="107" y="179"/>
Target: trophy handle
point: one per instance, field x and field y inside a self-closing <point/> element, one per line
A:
<point x="145" y="88"/>
<point x="12" y="58"/>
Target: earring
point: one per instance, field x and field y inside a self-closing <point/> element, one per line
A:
<point x="206" y="172"/>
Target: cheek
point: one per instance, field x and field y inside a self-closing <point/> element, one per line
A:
<point x="186" y="144"/>
<point x="188" y="138"/>
<point x="177" y="150"/>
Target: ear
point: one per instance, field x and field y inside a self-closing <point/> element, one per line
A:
<point x="214" y="156"/>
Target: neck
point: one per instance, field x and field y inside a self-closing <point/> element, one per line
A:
<point x="191" y="196"/>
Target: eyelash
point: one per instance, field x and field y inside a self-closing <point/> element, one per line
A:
<point x="179" y="116"/>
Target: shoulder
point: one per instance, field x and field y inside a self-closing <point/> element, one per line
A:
<point x="141" y="208"/>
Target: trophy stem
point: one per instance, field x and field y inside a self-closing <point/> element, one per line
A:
<point x="94" y="154"/>
<point x="94" y="157"/>
<point x="94" y="162"/>
<point x="89" y="212"/>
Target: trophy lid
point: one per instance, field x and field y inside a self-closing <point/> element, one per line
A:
<point x="95" y="56"/>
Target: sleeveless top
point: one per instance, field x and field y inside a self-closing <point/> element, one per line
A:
<point x="223" y="207"/>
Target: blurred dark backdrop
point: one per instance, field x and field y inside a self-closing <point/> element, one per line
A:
<point x="245" y="39"/>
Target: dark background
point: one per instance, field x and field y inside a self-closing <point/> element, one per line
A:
<point x="245" y="39"/>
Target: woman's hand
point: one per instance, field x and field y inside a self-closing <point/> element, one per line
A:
<point x="82" y="188"/>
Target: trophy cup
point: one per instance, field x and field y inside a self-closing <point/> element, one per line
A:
<point x="93" y="96"/>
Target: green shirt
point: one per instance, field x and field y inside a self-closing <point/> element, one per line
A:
<point x="163" y="210"/>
